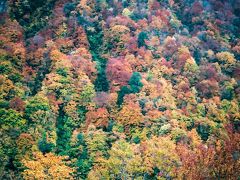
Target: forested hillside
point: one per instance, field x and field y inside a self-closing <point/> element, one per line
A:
<point x="119" y="89"/>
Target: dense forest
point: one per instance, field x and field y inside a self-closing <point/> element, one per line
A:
<point x="119" y="89"/>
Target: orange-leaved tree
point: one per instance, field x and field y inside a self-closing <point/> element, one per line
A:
<point x="48" y="166"/>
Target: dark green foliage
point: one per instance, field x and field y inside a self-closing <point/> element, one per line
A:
<point x="190" y="124"/>
<point x="153" y="175"/>
<point x="65" y="127"/>
<point x="68" y="8"/>
<point x="228" y="93"/>
<point x="197" y="56"/>
<point x="204" y="131"/>
<point x="34" y="105"/>
<point x="4" y="104"/>
<point x="81" y="20"/>
<point x="81" y="110"/>
<point x="126" y="4"/>
<point x="95" y="40"/>
<point x="5" y="68"/>
<point x="3" y="5"/>
<point x="109" y="128"/>
<point x="43" y="70"/>
<point x="135" y="85"/>
<point x="136" y="16"/>
<point x="8" y="151"/>
<point x="11" y="125"/>
<point x="136" y="140"/>
<point x="236" y="126"/>
<point x="142" y="103"/>
<point x="142" y="36"/>
<point x="38" y="10"/>
<point x="123" y="91"/>
<point x="34" y="4"/>
<point x="44" y="146"/>
<point x="62" y="72"/>
<point x="135" y="82"/>
<point x="15" y="77"/>
<point x="79" y="151"/>
<point x="64" y="132"/>
<point x="101" y="83"/>
<point x="84" y="164"/>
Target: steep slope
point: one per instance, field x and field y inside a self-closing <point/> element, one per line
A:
<point x="110" y="89"/>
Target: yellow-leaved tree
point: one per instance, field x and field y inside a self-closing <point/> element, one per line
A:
<point x="48" y="166"/>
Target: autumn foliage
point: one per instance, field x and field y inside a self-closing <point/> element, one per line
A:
<point x="129" y="89"/>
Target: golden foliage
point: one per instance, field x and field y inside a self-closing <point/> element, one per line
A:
<point x="130" y="114"/>
<point x="48" y="166"/>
